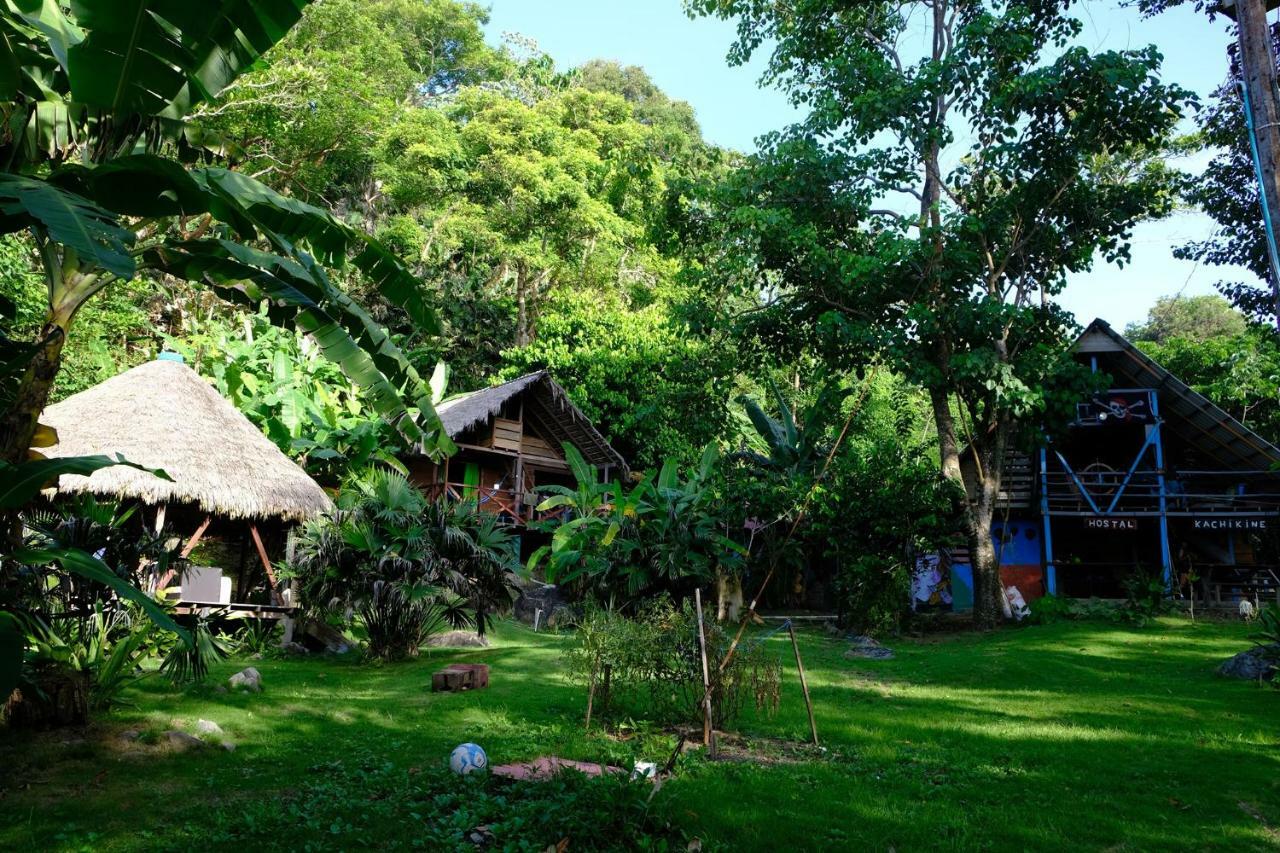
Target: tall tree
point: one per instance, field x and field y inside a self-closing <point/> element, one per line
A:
<point x="1196" y="318"/>
<point x="957" y="161"/>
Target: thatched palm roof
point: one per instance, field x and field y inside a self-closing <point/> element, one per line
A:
<point x="546" y="401"/>
<point x="163" y="415"/>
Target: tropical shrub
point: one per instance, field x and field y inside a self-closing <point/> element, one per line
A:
<point x="401" y="560"/>
<point x="649" y="666"/>
<point x="664" y="533"/>
<point x="399" y="618"/>
<point x="75" y="666"/>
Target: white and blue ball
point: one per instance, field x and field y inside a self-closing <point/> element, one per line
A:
<point x="468" y="758"/>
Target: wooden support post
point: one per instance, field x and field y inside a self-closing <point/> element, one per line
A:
<point x="262" y="555"/>
<point x="708" y="729"/>
<point x="195" y="538"/>
<point x="186" y="551"/>
<point x="804" y="684"/>
<point x="1258" y="73"/>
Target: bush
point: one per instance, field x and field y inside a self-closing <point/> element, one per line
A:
<point x="1049" y="609"/>
<point x="397" y="621"/>
<point x="650" y="666"/>
<point x="403" y="563"/>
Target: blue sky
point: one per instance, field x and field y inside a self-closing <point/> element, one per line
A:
<point x="686" y="58"/>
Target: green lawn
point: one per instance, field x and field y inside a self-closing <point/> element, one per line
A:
<point x="1079" y="736"/>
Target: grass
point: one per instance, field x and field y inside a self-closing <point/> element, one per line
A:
<point x="1068" y="736"/>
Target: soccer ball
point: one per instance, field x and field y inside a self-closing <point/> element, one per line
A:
<point x="468" y="758"/>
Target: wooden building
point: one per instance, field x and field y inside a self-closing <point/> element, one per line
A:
<point x="510" y="441"/>
<point x="232" y="496"/>
<point x="1150" y="475"/>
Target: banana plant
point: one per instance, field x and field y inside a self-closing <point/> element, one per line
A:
<point x="95" y="100"/>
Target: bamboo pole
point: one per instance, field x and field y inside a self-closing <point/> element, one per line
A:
<point x="804" y="683"/>
<point x="708" y="731"/>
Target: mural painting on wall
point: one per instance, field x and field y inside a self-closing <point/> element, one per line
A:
<point x="930" y="585"/>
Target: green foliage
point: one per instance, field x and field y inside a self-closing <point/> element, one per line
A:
<point x="649" y="666"/>
<point x="107" y="164"/>
<point x="1267" y="627"/>
<point x="189" y="663"/>
<point x="398" y="619"/>
<point x="105" y="650"/>
<point x="1048" y="609"/>
<point x="662" y="533"/>
<point x="1238" y="372"/>
<point x="409" y="563"/>
<point x="1192" y="318"/>
<point x="654" y="387"/>
<point x="303" y="402"/>
<point x="1006" y="132"/>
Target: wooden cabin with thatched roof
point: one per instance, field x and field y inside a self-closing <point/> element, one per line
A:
<point x="232" y="497"/>
<point x="510" y="441"/>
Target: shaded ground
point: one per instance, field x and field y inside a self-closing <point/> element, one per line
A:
<point x="1072" y="736"/>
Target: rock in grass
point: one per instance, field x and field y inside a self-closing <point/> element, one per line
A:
<point x="208" y="727"/>
<point x="250" y="679"/>
<point x="181" y="741"/>
<point x="1259" y="662"/>
<point x="868" y="649"/>
<point x="459" y="640"/>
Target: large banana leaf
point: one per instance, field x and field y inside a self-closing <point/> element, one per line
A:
<point x="90" y="567"/>
<point x="297" y="292"/>
<point x="252" y="208"/>
<point x="20" y="483"/>
<point x="161" y="57"/>
<point x="69" y="219"/>
<point x="146" y="185"/>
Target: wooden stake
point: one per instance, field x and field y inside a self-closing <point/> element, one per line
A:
<point x="804" y="684"/>
<point x="591" y="695"/>
<point x="708" y="731"/>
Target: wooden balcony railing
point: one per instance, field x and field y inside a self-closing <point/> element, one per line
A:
<point x="513" y="506"/>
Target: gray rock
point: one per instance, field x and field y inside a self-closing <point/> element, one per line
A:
<point x="548" y="598"/>
<point x="459" y="640"/>
<point x="294" y="649"/>
<point x="130" y="734"/>
<point x="1259" y="662"/>
<point x="208" y="727"/>
<point x="228" y="746"/>
<point x="870" y="653"/>
<point x="181" y="741"/>
<point x="248" y="678"/>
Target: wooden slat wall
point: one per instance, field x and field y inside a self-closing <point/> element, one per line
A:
<point x="506" y="434"/>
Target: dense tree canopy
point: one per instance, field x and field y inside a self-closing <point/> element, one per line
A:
<point x="933" y="200"/>
<point x="1194" y="317"/>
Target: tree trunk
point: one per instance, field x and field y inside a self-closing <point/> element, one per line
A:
<point x="18" y="423"/>
<point x="1258" y="70"/>
<point x="979" y="509"/>
<point x="728" y="597"/>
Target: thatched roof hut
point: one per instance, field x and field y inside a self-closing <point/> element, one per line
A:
<point x="163" y="415"/>
<point x="545" y="400"/>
